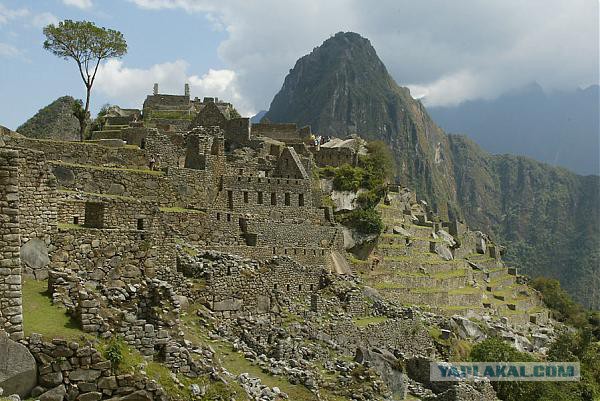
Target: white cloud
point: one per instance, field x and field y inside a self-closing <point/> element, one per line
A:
<point x="9" y="51"/>
<point x="7" y="14"/>
<point x="453" y="50"/>
<point x="83" y="4"/>
<point x="129" y="86"/>
<point x="43" y="19"/>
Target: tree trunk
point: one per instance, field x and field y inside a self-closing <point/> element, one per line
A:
<point x="86" y="110"/>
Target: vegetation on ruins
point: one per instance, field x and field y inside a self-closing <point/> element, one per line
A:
<point x="569" y="347"/>
<point x="371" y="176"/>
<point x="581" y="345"/>
<point x="88" y="45"/>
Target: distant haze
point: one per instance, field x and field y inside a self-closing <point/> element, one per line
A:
<point x="559" y="128"/>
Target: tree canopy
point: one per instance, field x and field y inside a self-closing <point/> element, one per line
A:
<point x="88" y="45"/>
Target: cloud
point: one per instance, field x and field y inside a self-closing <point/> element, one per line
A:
<point x="43" y="19"/>
<point x="7" y="14"/>
<point x="453" y="51"/>
<point x="129" y="86"/>
<point x="9" y="51"/>
<point x="82" y="4"/>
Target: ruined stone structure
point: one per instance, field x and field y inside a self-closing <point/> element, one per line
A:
<point x="187" y="202"/>
<point x="11" y="316"/>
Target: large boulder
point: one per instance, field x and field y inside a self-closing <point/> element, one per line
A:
<point x="55" y="394"/>
<point x="448" y="239"/>
<point x="388" y="366"/>
<point x="466" y="329"/>
<point x="443" y="251"/>
<point x="34" y="254"/>
<point x="18" y="371"/>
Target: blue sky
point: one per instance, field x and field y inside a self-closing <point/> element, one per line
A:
<point x="240" y="50"/>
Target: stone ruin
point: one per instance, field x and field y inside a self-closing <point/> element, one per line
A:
<point x="186" y="192"/>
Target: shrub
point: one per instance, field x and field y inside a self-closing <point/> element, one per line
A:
<point x="348" y="178"/>
<point x="557" y="299"/>
<point x="366" y="221"/>
<point x="114" y="353"/>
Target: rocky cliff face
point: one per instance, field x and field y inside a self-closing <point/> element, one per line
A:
<point x="547" y="216"/>
<point x="55" y="121"/>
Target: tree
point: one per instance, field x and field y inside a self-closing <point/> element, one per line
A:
<point x="88" y="45"/>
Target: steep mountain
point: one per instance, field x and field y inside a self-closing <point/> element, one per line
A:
<point x="342" y="87"/>
<point x="55" y="121"/>
<point x="559" y="128"/>
<point x="547" y="216"/>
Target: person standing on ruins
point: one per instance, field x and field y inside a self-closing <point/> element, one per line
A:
<point x="152" y="162"/>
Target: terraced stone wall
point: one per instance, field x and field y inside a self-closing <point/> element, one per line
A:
<point x="37" y="188"/>
<point x="82" y="152"/>
<point x="11" y="313"/>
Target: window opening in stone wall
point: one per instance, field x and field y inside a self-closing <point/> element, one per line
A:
<point x="140" y="224"/>
<point x="75" y="219"/>
<point x="300" y="199"/>
<point x="299" y="287"/>
<point x="287" y="287"/>
<point x="228" y="217"/>
<point x="312" y="287"/>
<point x="273" y="199"/>
<point x="143" y="143"/>
<point x="245" y="197"/>
<point x="230" y="199"/>
<point x="218" y="216"/>
<point x="259" y="198"/>
<point x="287" y="199"/>
<point x="229" y="270"/>
<point x="275" y="286"/>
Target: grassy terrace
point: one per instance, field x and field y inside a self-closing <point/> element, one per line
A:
<point x="423" y="258"/>
<point x="108" y="196"/>
<point x="364" y="322"/>
<point x="180" y="210"/>
<point x="40" y="316"/>
<point x="95" y="167"/>
<point x="70" y="226"/>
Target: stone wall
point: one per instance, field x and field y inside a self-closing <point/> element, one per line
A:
<point x="264" y="193"/>
<point x="82" y="152"/>
<point x="118" y="212"/>
<point x="408" y="336"/>
<point x="285" y="132"/>
<point x="75" y="372"/>
<point x="37" y="186"/>
<point x="11" y="314"/>
<point x="236" y="285"/>
<point x="334" y="157"/>
<point x="104" y="255"/>
<point x="176" y="187"/>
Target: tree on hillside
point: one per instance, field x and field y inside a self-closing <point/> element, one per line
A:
<point x="88" y="45"/>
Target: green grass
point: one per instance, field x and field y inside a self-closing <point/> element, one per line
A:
<point x="450" y="274"/>
<point x="465" y="291"/>
<point x="69" y="226"/>
<point x="40" y="316"/>
<point x="235" y="363"/>
<point x="108" y="196"/>
<point x="365" y="321"/>
<point x="95" y="167"/>
<point x="386" y="285"/>
<point x="179" y="210"/>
